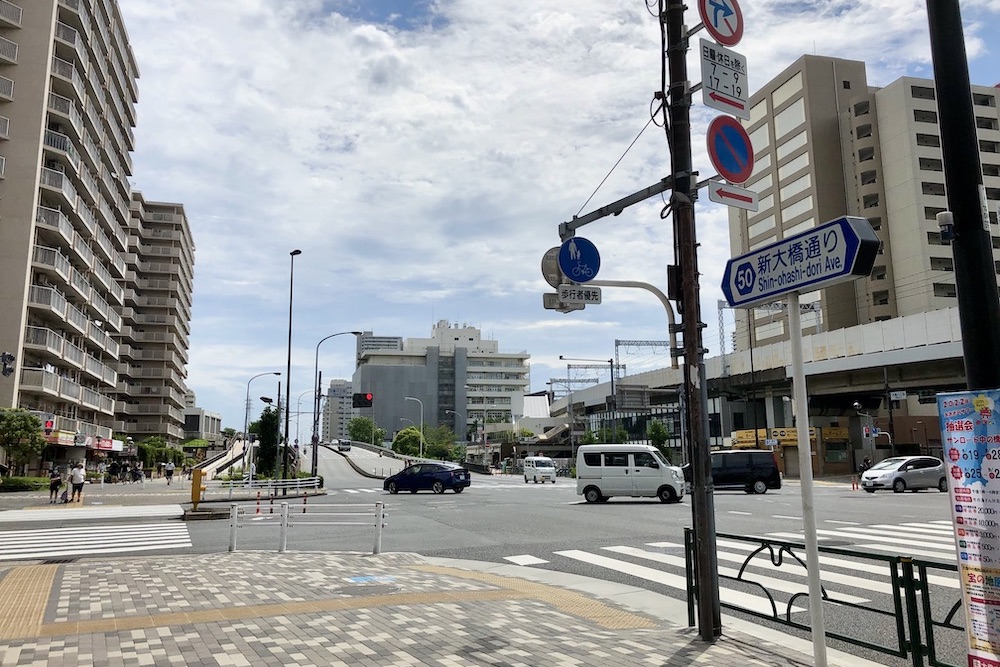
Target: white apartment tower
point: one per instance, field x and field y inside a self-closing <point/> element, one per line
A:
<point x="337" y="411"/>
<point x="67" y="108"/>
<point x="827" y="145"/>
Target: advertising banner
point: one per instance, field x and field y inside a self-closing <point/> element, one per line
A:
<point x="970" y="437"/>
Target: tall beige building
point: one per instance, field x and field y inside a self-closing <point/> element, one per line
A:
<point x="826" y="145"/>
<point x="67" y="108"/>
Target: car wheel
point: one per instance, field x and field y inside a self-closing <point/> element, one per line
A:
<point x="943" y="485"/>
<point x="459" y="489"/>
<point x="438" y="487"/>
<point x="592" y="494"/>
<point x="760" y="486"/>
<point x="393" y="489"/>
<point x="535" y="480"/>
<point x="899" y="486"/>
<point x="869" y="490"/>
<point x="667" y="495"/>
<point x="525" y="479"/>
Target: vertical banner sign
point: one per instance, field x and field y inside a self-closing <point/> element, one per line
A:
<point x="970" y="435"/>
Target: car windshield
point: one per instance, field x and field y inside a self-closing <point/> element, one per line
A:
<point x="659" y="457"/>
<point x="544" y="463"/>
<point x="887" y="464"/>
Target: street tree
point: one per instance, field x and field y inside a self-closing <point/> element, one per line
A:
<point x="407" y="442"/>
<point x="267" y="442"/>
<point x="20" y="436"/>
<point x="360" y="429"/>
<point x="658" y="436"/>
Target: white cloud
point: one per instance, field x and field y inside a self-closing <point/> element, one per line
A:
<point x="424" y="171"/>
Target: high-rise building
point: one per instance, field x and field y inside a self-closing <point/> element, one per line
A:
<point x="458" y="378"/>
<point x="68" y="90"/>
<point x="827" y="145"/>
<point x="337" y="411"/>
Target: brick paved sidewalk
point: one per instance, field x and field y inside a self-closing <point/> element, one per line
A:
<point x="262" y="608"/>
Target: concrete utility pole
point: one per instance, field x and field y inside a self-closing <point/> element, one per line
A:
<point x="975" y="275"/>
<point x="695" y="385"/>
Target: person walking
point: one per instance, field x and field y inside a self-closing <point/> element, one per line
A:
<point x="77" y="478"/>
<point x="55" y="483"/>
<point x="168" y="471"/>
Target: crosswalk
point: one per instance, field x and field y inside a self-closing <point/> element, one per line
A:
<point x="846" y="579"/>
<point x="90" y="540"/>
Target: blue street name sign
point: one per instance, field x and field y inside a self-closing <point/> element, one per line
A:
<point x="836" y="251"/>
<point x="579" y="259"/>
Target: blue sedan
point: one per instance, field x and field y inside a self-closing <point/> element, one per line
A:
<point x="434" y="477"/>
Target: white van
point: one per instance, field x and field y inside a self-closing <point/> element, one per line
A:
<point x="638" y="471"/>
<point x="539" y="469"/>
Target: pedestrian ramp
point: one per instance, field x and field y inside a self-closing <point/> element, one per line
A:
<point x="90" y="540"/>
<point x="74" y="512"/>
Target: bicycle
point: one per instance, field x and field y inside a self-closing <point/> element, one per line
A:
<point x="582" y="269"/>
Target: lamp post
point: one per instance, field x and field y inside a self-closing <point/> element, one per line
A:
<point x="298" y="413"/>
<point x="316" y="399"/>
<point x="614" y="398"/>
<point x="248" y="453"/>
<point x="411" y="398"/>
<point x="288" y="367"/>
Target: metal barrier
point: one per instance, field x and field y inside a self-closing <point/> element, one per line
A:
<point x="317" y="515"/>
<point x="909" y="579"/>
<point x="268" y="488"/>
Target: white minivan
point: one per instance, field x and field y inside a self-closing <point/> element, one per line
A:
<point x="539" y="469"/>
<point x="637" y="471"/>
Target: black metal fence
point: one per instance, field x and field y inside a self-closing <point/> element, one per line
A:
<point x="917" y="619"/>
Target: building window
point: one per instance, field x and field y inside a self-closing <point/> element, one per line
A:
<point x="987" y="123"/>
<point x="922" y="116"/>
<point x="786" y="91"/>
<point x="796" y="186"/>
<point x="936" y="189"/>
<point x="847" y="85"/>
<point x="868" y="177"/>
<point x="930" y="212"/>
<point x="757" y="112"/>
<point x="989" y="146"/>
<point x="993" y="193"/>
<point x="942" y="264"/>
<point x="863" y="131"/>
<point x="981" y="100"/>
<point x="991" y="169"/>
<point x="805" y="225"/>
<point x="876" y="223"/>
<point x="792" y="145"/>
<point x="866" y="154"/>
<point x="870" y="201"/>
<point x="760" y="138"/>
<point x="760" y="164"/>
<point x="862" y="108"/>
<point x="794" y="165"/>
<point x="789" y="118"/>
<point x="878" y="273"/>
<point x="931" y="164"/>
<point x="921" y="93"/>
<point x="945" y="290"/>
<point x="929" y="140"/>
<point x="761" y="227"/>
<point x="762" y="183"/>
<point x="800" y="207"/>
<point x="934" y="238"/>
<point x="880" y="298"/>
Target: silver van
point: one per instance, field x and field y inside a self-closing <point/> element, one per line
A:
<point x="636" y="471"/>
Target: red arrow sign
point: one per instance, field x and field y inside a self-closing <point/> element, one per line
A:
<point x="730" y="195"/>
<point x="727" y="100"/>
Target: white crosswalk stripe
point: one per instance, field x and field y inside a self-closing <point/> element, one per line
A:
<point x="88" y="540"/>
<point x="845" y="579"/>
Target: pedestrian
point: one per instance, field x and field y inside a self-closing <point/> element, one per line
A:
<point x="77" y="478"/>
<point x="865" y="465"/>
<point x="55" y="482"/>
<point x="113" y="470"/>
<point x="168" y="470"/>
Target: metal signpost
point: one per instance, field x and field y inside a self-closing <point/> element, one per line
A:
<point x="839" y="250"/>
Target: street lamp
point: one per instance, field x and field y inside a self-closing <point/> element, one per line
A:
<point x="614" y="398"/>
<point x="248" y="453"/>
<point x="298" y="413"/>
<point x="288" y="367"/>
<point x="410" y="398"/>
<point x="316" y="399"/>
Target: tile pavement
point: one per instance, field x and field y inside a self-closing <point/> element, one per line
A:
<point x="304" y="608"/>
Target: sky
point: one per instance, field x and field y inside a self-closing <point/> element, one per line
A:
<point x="422" y="154"/>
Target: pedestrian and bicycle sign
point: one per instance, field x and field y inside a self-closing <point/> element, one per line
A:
<point x="724" y="80"/>
<point x="579" y="259"/>
<point x="723" y="20"/>
<point x="730" y="150"/>
<point x="836" y="251"/>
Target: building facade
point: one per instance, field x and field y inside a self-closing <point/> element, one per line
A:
<point x="826" y="145"/>
<point x="337" y="411"/>
<point x="458" y="379"/>
<point x="68" y="91"/>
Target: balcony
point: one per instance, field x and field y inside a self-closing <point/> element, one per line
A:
<point x="75" y="317"/>
<point x="52" y="263"/>
<point x="4" y="127"/>
<point x="74" y="355"/>
<point x="40" y="339"/>
<point x="66" y="71"/>
<point x="39" y="380"/>
<point x="91" y="398"/>
<point x="8" y="51"/>
<point x="67" y="34"/>
<point x="47" y="298"/>
<point x="82" y="286"/>
<point x="54" y="220"/>
<point x="58" y="182"/>
<point x="69" y="389"/>
<point x="10" y="14"/>
<point x="6" y="89"/>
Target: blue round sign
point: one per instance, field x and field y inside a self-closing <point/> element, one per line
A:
<point x="579" y="260"/>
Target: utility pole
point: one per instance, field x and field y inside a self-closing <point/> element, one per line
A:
<point x="975" y="275"/>
<point x="695" y="385"/>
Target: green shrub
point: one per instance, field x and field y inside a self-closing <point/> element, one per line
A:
<point x="24" y="484"/>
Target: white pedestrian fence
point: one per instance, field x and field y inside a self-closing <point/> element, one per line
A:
<point x="256" y="516"/>
<point x="260" y="488"/>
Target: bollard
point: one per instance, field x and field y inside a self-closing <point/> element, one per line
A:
<point x="258" y="503"/>
<point x="230" y="489"/>
<point x="283" y="538"/>
<point x="271" y="506"/>
<point x="854" y="482"/>
<point x="197" y="487"/>
<point x="304" y="499"/>
<point x="379" y="524"/>
<point x="234" y="513"/>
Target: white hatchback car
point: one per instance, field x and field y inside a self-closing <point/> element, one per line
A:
<point x="905" y="473"/>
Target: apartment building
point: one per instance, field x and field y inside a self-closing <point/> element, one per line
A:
<point x="455" y="378"/>
<point x="68" y="90"/>
<point x="827" y="144"/>
<point x="153" y="351"/>
<point x="337" y="411"/>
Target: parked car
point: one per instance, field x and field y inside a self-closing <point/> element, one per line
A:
<point x="753" y="470"/>
<point x="901" y="473"/>
<point x="436" y="477"/>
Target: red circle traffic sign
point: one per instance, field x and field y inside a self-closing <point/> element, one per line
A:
<point x="723" y="20"/>
<point x="730" y="150"/>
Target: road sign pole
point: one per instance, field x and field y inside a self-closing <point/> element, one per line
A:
<point x="695" y="385"/>
<point x="801" y="404"/>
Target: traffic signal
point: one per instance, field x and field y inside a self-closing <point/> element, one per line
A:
<point x="7" y="363"/>
<point x="363" y="400"/>
<point x="50" y="424"/>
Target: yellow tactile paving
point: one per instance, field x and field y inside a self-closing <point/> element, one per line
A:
<point x="25" y="591"/>
<point x="568" y="601"/>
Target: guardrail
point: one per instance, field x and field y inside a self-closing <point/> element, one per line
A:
<point x="251" y="516"/>
<point x="912" y="611"/>
<point x="266" y="488"/>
